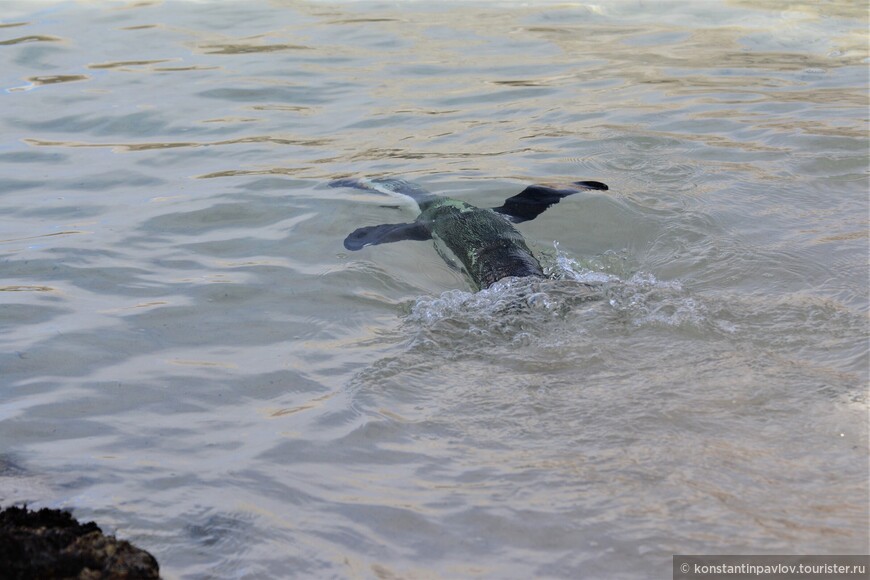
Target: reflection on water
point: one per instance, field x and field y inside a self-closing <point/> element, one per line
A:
<point x="191" y="356"/>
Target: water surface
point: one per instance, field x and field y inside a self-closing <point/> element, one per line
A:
<point x="191" y="358"/>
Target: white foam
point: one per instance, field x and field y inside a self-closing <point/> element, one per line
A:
<point x="515" y="306"/>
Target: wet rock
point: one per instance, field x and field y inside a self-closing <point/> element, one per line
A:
<point x="52" y="544"/>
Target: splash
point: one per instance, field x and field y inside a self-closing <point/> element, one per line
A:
<point x="643" y="300"/>
<point x="508" y="297"/>
<point x="518" y="309"/>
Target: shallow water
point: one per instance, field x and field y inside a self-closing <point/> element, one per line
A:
<point x="191" y="358"/>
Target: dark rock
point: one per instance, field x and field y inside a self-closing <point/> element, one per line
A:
<point x="52" y="544"/>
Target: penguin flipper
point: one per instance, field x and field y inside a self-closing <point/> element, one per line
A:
<point x="386" y="233"/>
<point x="385" y="185"/>
<point x="535" y="199"/>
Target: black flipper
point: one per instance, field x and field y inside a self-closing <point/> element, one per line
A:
<point x="535" y="199"/>
<point x="386" y="233"/>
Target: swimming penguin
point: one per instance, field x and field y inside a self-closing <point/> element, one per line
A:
<point x="484" y="240"/>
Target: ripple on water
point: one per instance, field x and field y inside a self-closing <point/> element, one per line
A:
<point x="192" y="354"/>
<point x="601" y="296"/>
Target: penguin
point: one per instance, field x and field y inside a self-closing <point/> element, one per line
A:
<point x="483" y="239"/>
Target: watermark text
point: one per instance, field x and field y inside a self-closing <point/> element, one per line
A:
<point x="767" y="567"/>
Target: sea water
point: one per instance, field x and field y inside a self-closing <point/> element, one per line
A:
<point x="191" y="358"/>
